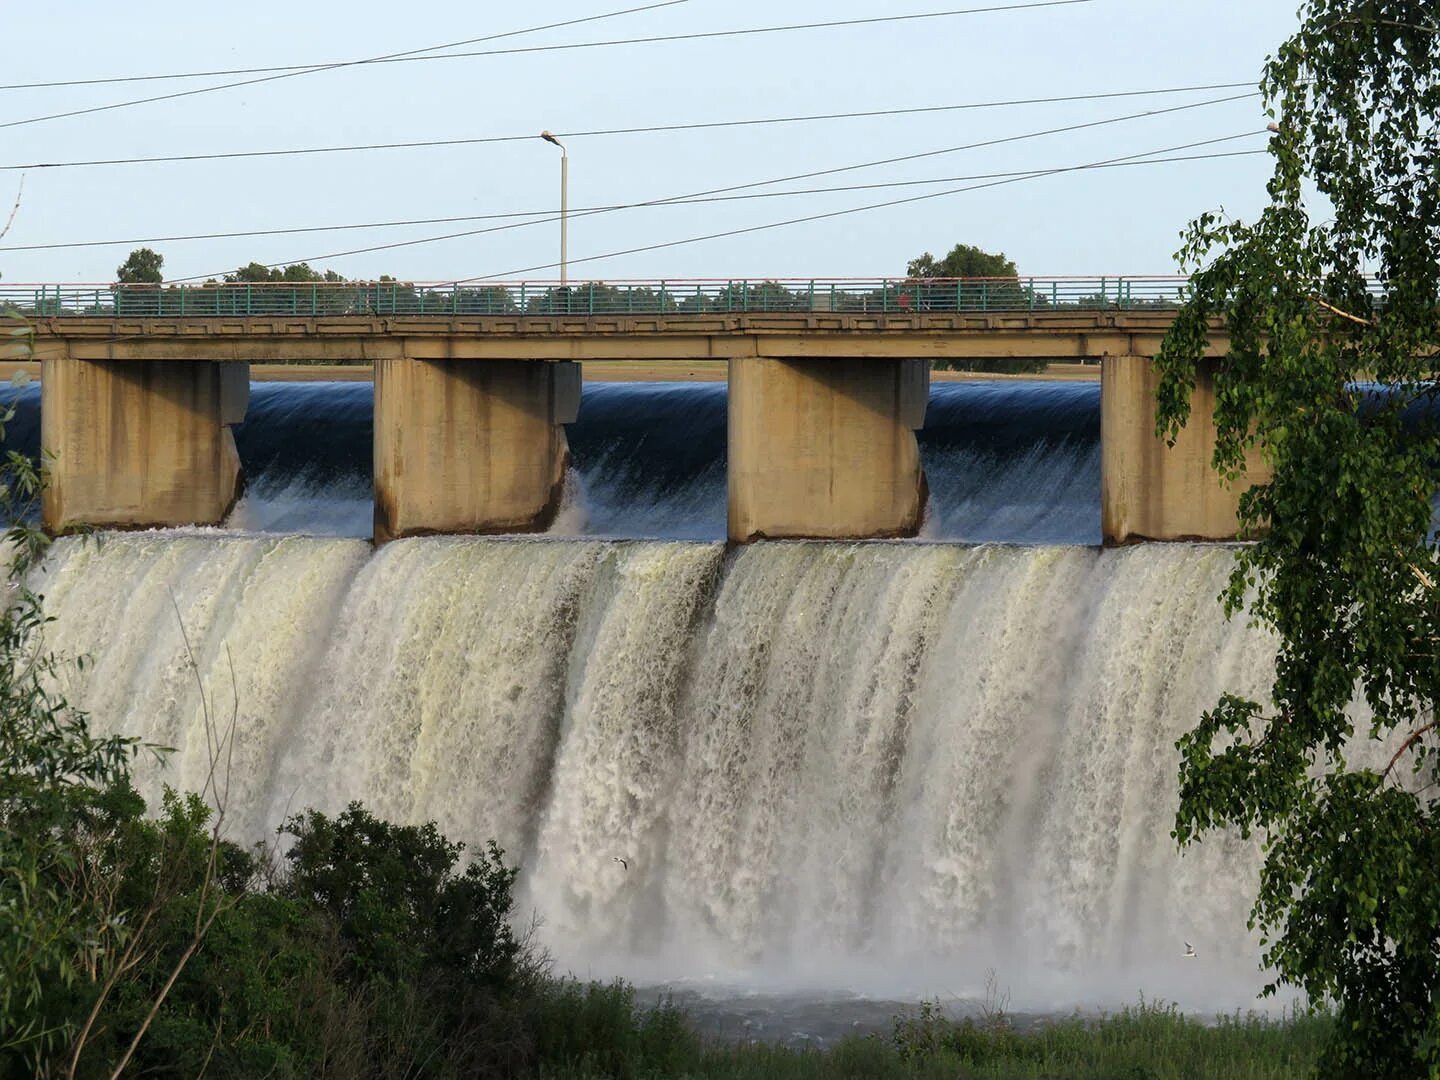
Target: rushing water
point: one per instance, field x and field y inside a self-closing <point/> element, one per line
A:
<point x="887" y="767"/>
<point x="881" y="768"/>
<point x="1016" y="462"/>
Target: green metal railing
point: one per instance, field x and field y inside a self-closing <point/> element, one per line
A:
<point x="880" y="296"/>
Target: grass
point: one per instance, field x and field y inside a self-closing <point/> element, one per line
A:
<point x="598" y="1032"/>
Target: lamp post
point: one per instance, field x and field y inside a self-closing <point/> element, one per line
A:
<point x="564" y="202"/>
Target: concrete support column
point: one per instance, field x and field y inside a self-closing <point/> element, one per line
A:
<point x="1150" y="491"/>
<point x="826" y="448"/>
<point x="470" y="446"/>
<point x="140" y="443"/>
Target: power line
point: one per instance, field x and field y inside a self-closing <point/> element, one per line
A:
<point x="651" y="129"/>
<point x="1129" y="159"/>
<point x="290" y="73"/>
<point x="802" y="220"/>
<point x="398" y="58"/>
<point x="551" y="215"/>
<point x="782" y="179"/>
<point x="1004" y="140"/>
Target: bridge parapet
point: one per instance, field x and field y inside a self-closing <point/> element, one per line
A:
<point x="866" y="296"/>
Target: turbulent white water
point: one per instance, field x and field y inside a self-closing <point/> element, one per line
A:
<point x="886" y="767"/>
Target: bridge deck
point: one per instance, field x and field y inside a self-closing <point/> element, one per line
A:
<point x="1053" y="335"/>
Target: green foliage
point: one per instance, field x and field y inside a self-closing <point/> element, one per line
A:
<point x="255" y="273"/>
<point x="398" y="903"/>
<point x="596" y="1029"/>
<point x="141" y="267"/>
<point x="1344" y="570"/>
<point x="1148" y="1042"/>
<point x="59" y="786"/>
<point x="962" y="261"/>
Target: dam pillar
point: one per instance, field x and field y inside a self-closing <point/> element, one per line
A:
<point x="826" y="448"/>
<point x="1151" y="491"/>
<point x="138" y="444"/>
<point x="470" y="446"/>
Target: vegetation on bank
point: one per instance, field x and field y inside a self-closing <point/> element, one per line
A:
<point x="1145" y="1043"/>
<point x="1320" y="296"/>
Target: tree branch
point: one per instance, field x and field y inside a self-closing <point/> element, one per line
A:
<point x="1410" y="741"/>
<point x="1342" y="313"/>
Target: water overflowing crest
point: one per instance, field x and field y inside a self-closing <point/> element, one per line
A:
<point x="1013" y="462"/>
<point x="886" y="767"/>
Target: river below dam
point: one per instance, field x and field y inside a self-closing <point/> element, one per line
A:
<point x="839" y="774"/>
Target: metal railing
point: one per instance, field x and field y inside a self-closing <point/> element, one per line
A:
<point x="659" y="297"/>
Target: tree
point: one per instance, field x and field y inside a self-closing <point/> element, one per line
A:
<point x="963" y="261"/>
<point x="1337" y="769"/>
<point x="256" y="273"/>
<point x="141" y="267"/>
<point x="967" y="261"/>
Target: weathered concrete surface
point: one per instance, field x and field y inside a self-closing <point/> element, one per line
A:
<point x="140" y="444"/>
<point x="1149" y="491"/>
<point x="470" y="448"/>
<point x="1056" y="335"/>
<point x="826" y="448"/>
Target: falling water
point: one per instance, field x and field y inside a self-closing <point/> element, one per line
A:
<point x="883" y="767"/>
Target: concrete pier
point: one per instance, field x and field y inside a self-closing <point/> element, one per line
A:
<point x="465" y="447"/>
<point x="1150" y="491"/>
<point x="140" y="443"/>
<point x="825" y="448"/>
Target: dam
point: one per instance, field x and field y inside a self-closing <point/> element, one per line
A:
<point x="828" y="385"/>
<point x="885" y="768"/>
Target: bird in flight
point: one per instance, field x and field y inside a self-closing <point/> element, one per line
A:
<point x="1189" y="951"/>
<point x="623" y="864"/>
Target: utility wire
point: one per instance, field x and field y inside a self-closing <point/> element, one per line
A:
<point x="552" y="215"/>
<point x="783" y="179"/>
<point x="970" y="146"/>
<point x="290" y="73"/>
<point x="652" y="129"/>
<point x="803" y="220"/>
<point x="399" y="58"/>
<point x="690" y="200"/>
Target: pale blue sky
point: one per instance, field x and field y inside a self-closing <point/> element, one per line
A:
<point x="1109" y="221"/>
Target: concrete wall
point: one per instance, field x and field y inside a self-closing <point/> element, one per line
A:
<point x="464" y="447"/>
<point x="1149" y="491"/>
<point x="138" y="444"/>
<point x="826" y="448"/>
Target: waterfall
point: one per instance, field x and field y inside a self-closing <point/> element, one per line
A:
<point x="881" y="766"/>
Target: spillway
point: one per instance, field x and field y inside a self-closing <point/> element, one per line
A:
<point x="888" y="767"/>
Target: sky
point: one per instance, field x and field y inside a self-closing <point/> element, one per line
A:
<point x="1102" y="221"/>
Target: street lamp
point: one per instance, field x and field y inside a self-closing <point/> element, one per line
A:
<point x="564" y="200"/>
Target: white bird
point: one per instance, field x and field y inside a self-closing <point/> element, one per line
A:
<point x="624" y="865"/>
<point x="1189" y="951"/>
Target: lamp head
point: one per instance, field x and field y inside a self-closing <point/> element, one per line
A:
<point x="550" y="138"/>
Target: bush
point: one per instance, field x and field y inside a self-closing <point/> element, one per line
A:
<point x="398" y="903"/>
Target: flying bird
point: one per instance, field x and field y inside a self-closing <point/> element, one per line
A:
<point x="1189" y="951"/>
<point x="623" y="864"/>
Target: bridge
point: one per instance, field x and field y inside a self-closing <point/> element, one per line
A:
<point x="829" y="381"/>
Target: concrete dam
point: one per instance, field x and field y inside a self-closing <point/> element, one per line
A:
<point x="884" y="768"/>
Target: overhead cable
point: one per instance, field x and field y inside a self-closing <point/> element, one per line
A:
<point x="789" y="179"/>
<point x="794" y="177"/>
<point x="552" y="215"/>
<point x="830" y="215"/>
<point x="290" y="73"/>
<point x="688" y="200"/>
<point x="650" y="129"/>
<point x="400" y="58"/>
